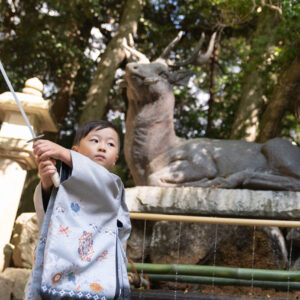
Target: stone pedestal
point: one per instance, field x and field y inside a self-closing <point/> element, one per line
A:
<point x="195" y="201"/>
<point x="16" y="156"/>
<point x="219" y="244"/>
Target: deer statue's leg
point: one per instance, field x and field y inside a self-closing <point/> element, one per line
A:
<point x="181" y="171"/>
<point x="251" y="180"/>
<point x="244" y="179"/>
<point x="272" y="182"/>
<point x="282" y="157"/>
<point x="258" y="180"/>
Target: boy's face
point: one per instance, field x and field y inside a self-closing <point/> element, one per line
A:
<point x="101" y="146"/>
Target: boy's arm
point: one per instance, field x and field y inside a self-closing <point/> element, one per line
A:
<point x="46" y="170"/>
<point x="45" y="149"/>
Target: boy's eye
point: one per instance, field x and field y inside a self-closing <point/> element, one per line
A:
<point x="111" y="144"/>
<point x="94" y="140"/>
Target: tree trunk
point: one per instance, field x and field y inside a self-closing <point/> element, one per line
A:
<point x="286" y="95"/>
<point x="102" y="82"/>
<point x="67" y="78"/>
<point x="246" y="120"/>
<point x="61" y="105"/>
<point x="212" y="92"/>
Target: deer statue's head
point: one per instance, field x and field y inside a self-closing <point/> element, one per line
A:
<point x="148" y="81"/>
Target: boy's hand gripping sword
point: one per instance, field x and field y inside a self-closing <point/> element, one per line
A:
<point x="55" y="177"/>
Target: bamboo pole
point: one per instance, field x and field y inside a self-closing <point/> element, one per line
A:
<point x="214" y="220"/>
<point x="225" y="281"/>
<point x="215" y="271"/>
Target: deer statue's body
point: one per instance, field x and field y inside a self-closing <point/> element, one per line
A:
<point x="156" y="156"/>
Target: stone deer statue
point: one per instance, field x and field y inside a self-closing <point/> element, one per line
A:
<point x="157" y="157"/>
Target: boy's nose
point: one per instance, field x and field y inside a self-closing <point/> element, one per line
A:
<point x="102" y="146"/>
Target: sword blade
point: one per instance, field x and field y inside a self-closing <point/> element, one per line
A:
<point x="17" y="100"/>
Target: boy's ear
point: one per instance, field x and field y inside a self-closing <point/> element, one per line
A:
<point x="117" y="157"/>
<point x="75" y="148"/>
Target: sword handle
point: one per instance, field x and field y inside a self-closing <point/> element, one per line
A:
<point x="55" y="179"/>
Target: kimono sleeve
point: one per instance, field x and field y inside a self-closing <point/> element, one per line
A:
<point x="90" y="181"/>
<point x="124" y="218"/>
<point x="38" y="205"/>
<point x="38" y="195"/>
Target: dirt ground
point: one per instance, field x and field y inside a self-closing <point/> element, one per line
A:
<point x="234" y="291"/>
<point x="250" y="292"/>
<point x="216" y="293"/>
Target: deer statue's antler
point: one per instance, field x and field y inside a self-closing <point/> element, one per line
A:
<point x="137" y="54"/>
<point x="195" y="58"/>
<point x="168" y="49"/>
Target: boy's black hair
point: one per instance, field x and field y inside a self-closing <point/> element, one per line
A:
<point x="86" y="128"/>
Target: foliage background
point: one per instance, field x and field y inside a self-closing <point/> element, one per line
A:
<point x="62" y="43"/>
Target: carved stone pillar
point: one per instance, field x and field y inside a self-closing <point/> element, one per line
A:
<point x="16" y="156"/>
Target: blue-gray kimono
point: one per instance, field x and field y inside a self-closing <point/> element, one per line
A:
<point x="81" y="250"/>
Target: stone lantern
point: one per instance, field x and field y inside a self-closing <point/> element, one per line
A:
<point x="16" y="155"/>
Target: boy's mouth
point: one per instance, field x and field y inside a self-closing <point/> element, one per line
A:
<point x="100" y="157"/>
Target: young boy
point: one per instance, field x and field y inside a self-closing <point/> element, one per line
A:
<point x="80" y="254"/>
